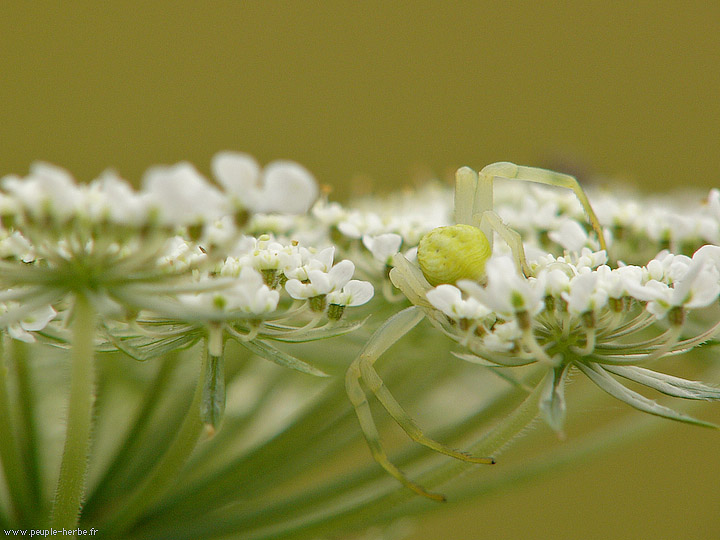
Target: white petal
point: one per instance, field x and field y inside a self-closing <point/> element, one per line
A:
<point x="288" y="188"/>
<point x="237" y="172"/>
<point x="296" y="289"/>
<point x="383" y="246"/>
<point x="360" y="292"/>
<point x="445" y="297"/>
<point x="182" y="195"/>
<point x="341" y="273"/>
<point x="570" y="235"/>
<point x="38" y="319"/>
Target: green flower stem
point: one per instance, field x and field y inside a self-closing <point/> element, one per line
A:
<point x="73" y="468"/>
<point x="107" y="487"/>
<point x="166" y="470"/>
<point x="10" y="451"/>
<point x="30" y="446"/>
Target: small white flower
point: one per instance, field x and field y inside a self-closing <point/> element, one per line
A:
<point x="16" y="246"/>
<point x="713" y="203"/>
<point x="283" y="186"/>
<point x="181" y="254"/>
<point x="357" y="224"/>
<point x="300" y="270"/>
<point x="584" y="295"/>
<point x="48" y="190"/>
<point x="697" y="287"/>
<point x="221" y="232"/>
<point x="448" y="299"/>
<point x="507" y="292"/>
<point x="33" y="322"/>
<point x="251" y="295"/>
<point x="111" y="197"/>
<point x="355" y="293"/>
<point x="248" y="294"/>
<point x="321" y="283"/>
<point x="329" y="213"/>
<point x="182" y="195"/>
<point x="591" y="259"/>
<point x="554" y="280"/>
<point x="383" y="246"/>
<point x="570" y="235"/>
<point x="504" y="337"/>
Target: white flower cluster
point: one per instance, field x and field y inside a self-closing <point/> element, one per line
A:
<point x="578" y="311"/>
<point x="306" y="274"/>
<point x="176" y="195"/>
<point x="177" y="248"/>
<point x="584" y="287"/>
<point x="636" y="227"/>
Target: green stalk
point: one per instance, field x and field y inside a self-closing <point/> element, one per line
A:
<point x="107" y="488"/>
<point x="73" y="468"/>
<point x="10" y="451"/>
<point x="29" y="442"/>
<point x="166" y="470"/>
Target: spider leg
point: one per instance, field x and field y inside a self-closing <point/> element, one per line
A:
<point x="512" y="238"/>
<point x="410" y="280"/>
<point x="390" y="332"/>
<point x="372" y="436"/>
<point x="373" y="381"/>
<point x="473" y="195"/>
<point x="543" y="176"/>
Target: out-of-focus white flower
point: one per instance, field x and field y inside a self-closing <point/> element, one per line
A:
<point x="329" y="213"/>
<point x="181" y="254"/>
<point x="713" y="203"/>
<point x="283" y="186"/>
<point x="182" y="196"/>
<point x="383" y="246"/>
<point x="503" y="337"/>
<point x="32" y="322"/>
<point x="357" y="224"/>
<point x="110" y="197"/>
<point x="47" y="191"/>
<point x="569" y="235"/>
<point x="16" y="246"/>
<point x="554" y="280"/>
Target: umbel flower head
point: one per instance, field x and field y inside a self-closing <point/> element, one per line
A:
<point x="511" y="304"/>
<point x="173" y="249"/>
<point x="571" y="314"/>
<point x="571" y="311"/>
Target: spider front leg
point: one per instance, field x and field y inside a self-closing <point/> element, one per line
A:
<point x="511" y="171"/>
<point x="490" y="220"/>
<point x="362" y="369"/>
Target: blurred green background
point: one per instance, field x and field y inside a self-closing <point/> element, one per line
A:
<point x="373" y="89"/>
<point x="375" y="93"/>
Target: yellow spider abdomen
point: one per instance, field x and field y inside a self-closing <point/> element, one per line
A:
<point x="447" y="254"/>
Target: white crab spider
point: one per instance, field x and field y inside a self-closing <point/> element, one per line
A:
<point x="445" y="255"/>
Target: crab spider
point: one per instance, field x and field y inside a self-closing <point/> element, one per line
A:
<point x="445" y="255"/>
